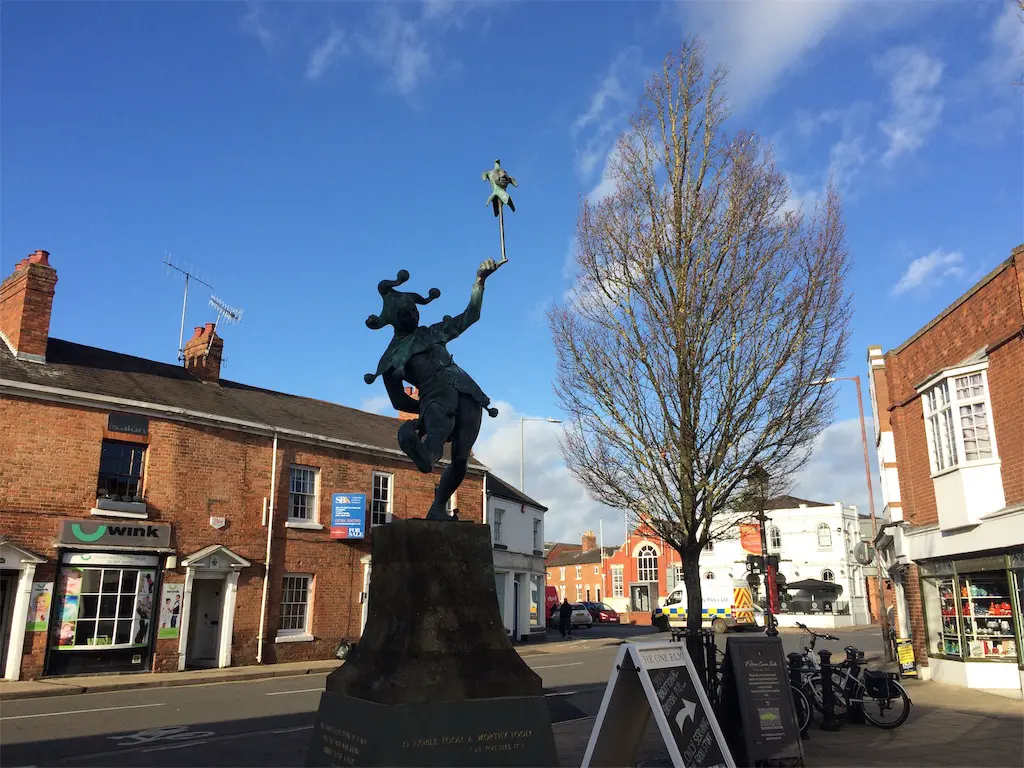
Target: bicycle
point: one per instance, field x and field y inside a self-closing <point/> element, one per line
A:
<point x="875" y="692"/>
<point x="811" y="682"/>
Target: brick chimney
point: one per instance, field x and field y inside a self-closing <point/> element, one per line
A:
<point x="589" y="541"/>
<point x="203" y="353"/>
<point x="26" y="299"/>
<point x="415" y="395"/>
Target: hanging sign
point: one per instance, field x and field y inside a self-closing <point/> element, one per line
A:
<point x="750" y="538"/>
<point x="348" y="516"/>
<point x="658" y="679"/>
<point x="905" y="652"/>
<point x="757" y="702"/>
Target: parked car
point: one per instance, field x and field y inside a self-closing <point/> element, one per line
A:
<point x="581" y="616"/>
<point x="602" y="613"/>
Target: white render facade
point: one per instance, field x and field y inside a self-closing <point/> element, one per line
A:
<point x="813" y="542"/>
<point x="517" y="539"/>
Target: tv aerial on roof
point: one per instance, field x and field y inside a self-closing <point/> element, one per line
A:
<point x="188" y="276"/>
<point x="228" y="313"/>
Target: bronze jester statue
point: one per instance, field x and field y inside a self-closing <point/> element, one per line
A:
<point x="450" y="404"/>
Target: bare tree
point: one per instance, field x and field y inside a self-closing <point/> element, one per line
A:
<point x="702" y="313"/>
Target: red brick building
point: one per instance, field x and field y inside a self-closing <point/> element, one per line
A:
<point x="631" y="578"/>
<point x="949" y="426"/>
<point x="158" y="517"/>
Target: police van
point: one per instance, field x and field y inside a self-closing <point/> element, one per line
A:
<point x="725" y="606"/>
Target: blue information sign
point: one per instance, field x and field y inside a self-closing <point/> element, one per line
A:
<point x="348" y="515"/>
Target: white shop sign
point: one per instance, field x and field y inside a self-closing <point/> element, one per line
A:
<point x="111" y="558"/>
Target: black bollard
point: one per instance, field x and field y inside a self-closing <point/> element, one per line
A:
<point x="796" y="661"/>
<point x="829" y="722"/>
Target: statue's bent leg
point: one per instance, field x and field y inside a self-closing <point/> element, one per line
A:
<point x="438" y="426"/>
<point x="467" y="428"/>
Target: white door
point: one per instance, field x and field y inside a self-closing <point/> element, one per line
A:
<point x="204" y="623"/>
<point x="8" y="584"/>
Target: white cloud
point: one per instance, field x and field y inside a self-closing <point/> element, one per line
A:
<point x="325" y="54"/>
<point x="378" y="404"/>
<point x="835" y="471"/>
<point x="599" y="125"/>
<point x="916" y="107"/>
<point x="256" y="24"/>
<point x="1004" y="63"/>
<point x="761" y="41"/>
<point x="570" y="510"/>
<point x="929" y="270"/>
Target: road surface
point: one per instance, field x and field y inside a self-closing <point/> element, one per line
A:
<point x="267" y="722"/>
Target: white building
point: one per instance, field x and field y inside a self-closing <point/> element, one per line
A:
<point x="814" y="541"/>
<point x="517" y="535"/>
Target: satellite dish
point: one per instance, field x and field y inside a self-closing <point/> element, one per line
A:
<point x="863" y="553"/>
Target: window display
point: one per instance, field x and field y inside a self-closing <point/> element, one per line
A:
<point x="985" y="605"/>
<point x="969" y="613"/>
<point x="109" y="607"/>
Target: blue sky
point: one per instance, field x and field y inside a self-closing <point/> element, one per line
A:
<point x="294" y="154"/>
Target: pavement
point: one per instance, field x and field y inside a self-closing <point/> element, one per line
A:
<point x="247" y="716"/>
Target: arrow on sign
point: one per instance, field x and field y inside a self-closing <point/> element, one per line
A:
<point x="687" y="711"/>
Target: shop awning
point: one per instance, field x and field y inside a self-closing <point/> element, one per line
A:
<point x="816" y="586"/>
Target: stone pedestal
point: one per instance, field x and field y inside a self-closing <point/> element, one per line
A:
<point x="434" y="680"/>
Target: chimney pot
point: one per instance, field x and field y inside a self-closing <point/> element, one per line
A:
<point x="197" y="332"/>
<point x="209" y="328"/>
<point x="39" y="257"/>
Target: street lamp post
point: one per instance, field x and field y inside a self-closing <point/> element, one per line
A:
<point x="758" y="476"/>
<point x="871" y="506"/>
<point x="522" y="445"/>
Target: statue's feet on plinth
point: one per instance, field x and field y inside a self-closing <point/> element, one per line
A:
<point x="434" y="680"/>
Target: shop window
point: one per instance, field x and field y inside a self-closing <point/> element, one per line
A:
<point x="120" y="477"/>
<point x="302" y="494"/>
<point x="774" y="539"/>
<point x="824" y="536"/>
<point x="970" y="615"/>
<point x="647" y="564"/>
<point x="956" y="411"/>
<point x="295" y="605"/>
<point x="536" y="591"/>
<point x="617" y="582"/>
<point x="383" y="494"/>
<point x="107" y="607"/>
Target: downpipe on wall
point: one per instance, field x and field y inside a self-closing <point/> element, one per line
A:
<point x="266" y="573"/>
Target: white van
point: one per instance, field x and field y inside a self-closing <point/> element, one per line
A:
<point x="724" y="606"/>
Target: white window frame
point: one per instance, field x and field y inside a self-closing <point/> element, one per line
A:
<point x="538" y="538"/>
<point x="389" y="514"/>
<point x="709" y="575"/>
<point x="774" y="538"/>
<point x="618" y="581"/>
<point x="645" y="555"/>
<point x="941" y="416"/>
<point x="499" y="516"/>
<point x="311" y="523"/>
<point x="561" y="573"/>
<point x="579" y="571"/>
<point x="303" y="634"/>
<point x="579" y="593"/>
<point x="597" y="570"/>
<point x="828" y="575"/>
<point x="826" y="528"/>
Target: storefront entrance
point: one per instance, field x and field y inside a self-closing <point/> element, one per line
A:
<point x="204" y="623"/>
<point x="102" y="615"/>
<point x="17" y="599"/>
<point x="208" y="607"/>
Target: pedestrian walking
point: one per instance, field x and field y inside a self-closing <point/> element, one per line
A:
<point x="565" y="618"/>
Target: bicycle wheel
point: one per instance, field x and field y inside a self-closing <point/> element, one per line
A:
<point x="887" y="713"/>
<point x="813" y="691"/>
<point x="801" y="708"/>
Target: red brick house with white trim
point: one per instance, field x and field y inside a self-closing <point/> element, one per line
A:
<point x="156" y="516"/>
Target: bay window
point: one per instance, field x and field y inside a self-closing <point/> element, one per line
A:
<point x="957" y="416"/>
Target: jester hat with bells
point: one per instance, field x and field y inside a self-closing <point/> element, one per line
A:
<point x="400" y="349"/>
